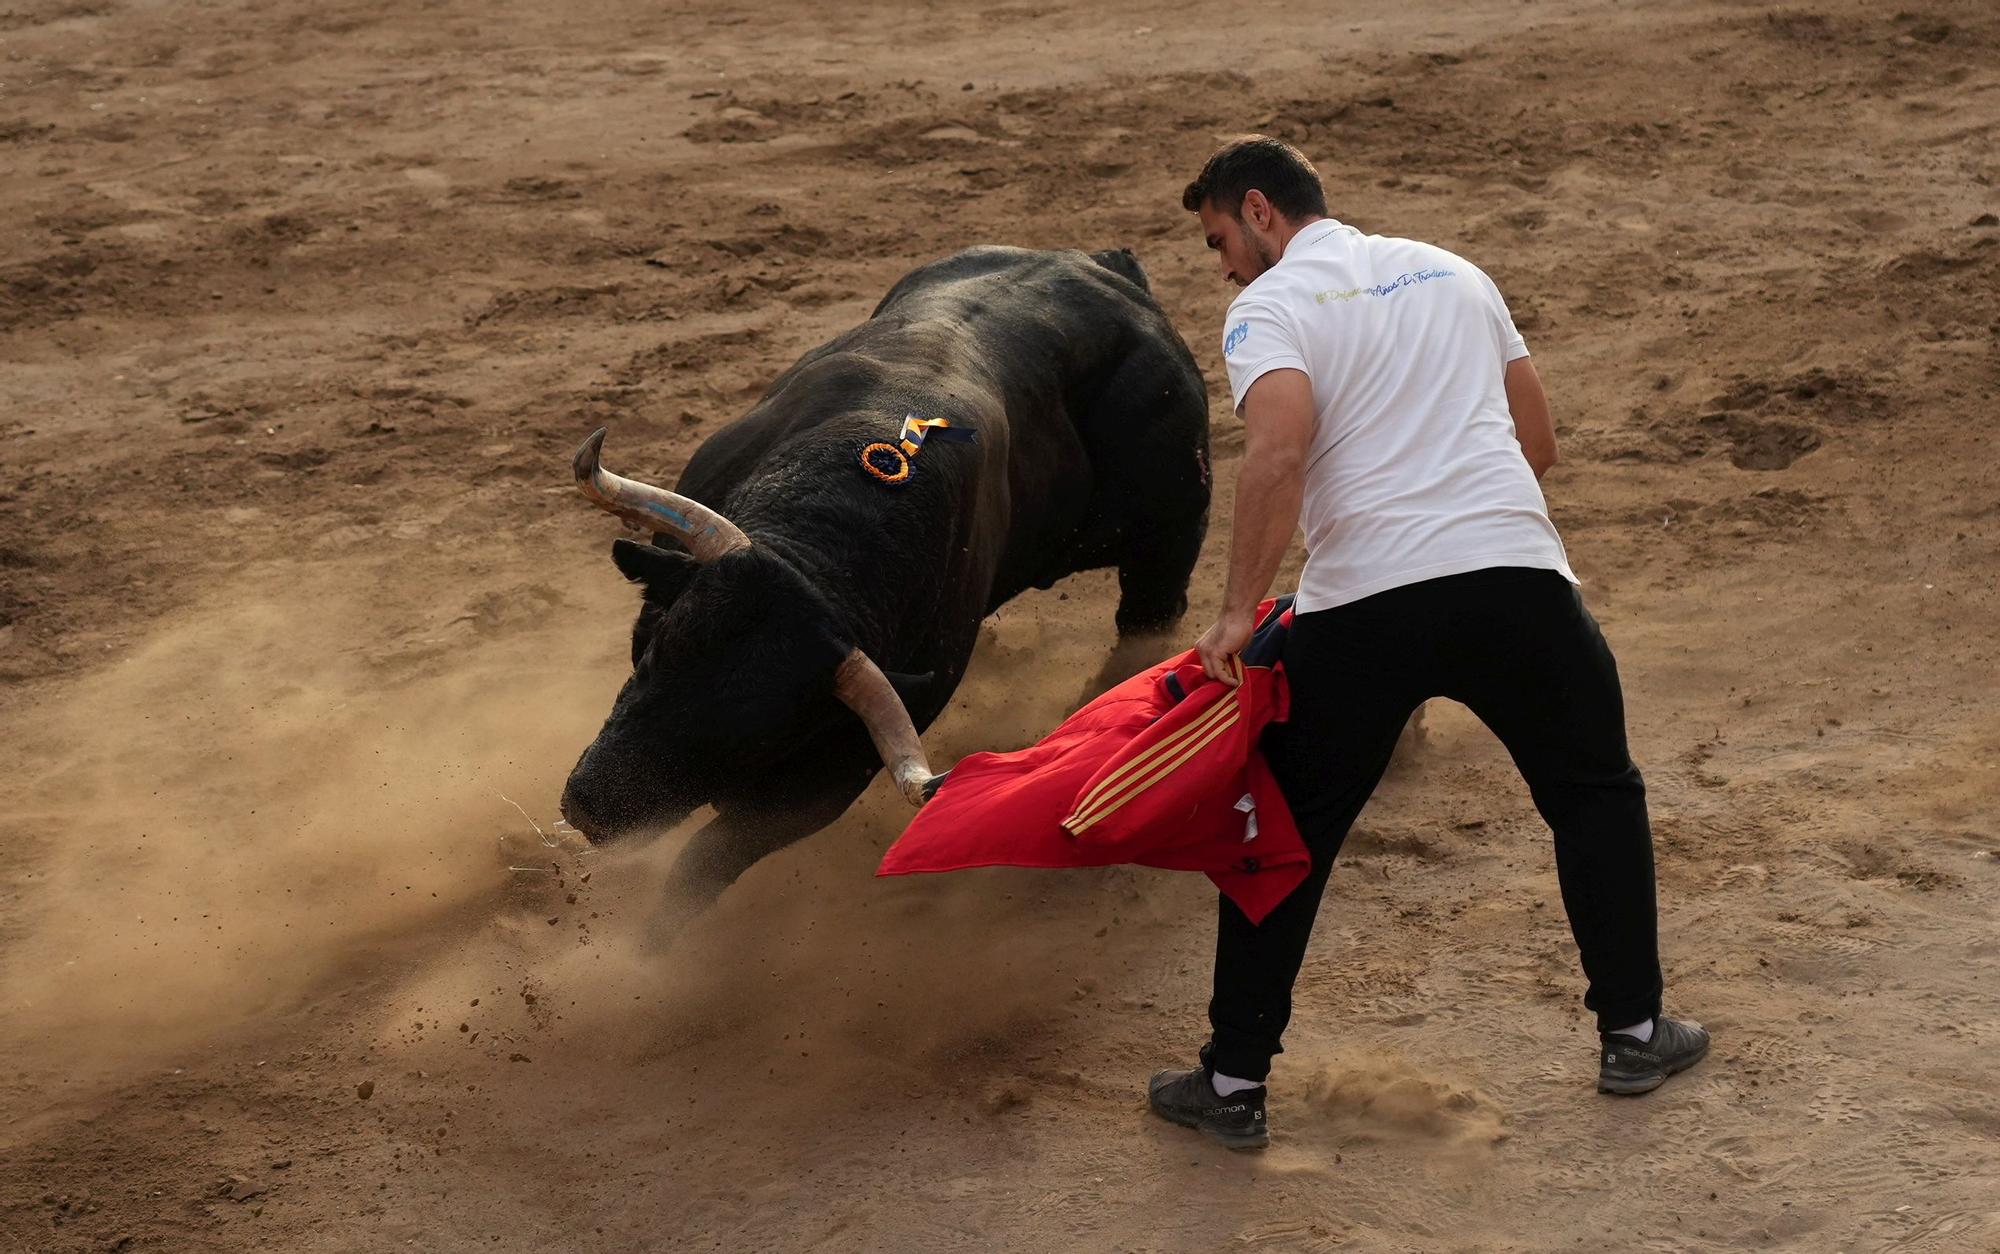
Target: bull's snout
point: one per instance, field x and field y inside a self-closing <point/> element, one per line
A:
<point x="610" y="795"/>
<point x="577" y="816"/>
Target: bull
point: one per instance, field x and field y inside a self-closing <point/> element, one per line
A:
<point x="817" y="579"/>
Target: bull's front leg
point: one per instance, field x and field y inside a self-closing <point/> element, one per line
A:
<point x="725" y="847"/>
<point x="744" y="832"/>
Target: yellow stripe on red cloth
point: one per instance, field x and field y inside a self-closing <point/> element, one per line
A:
<point x="1077" y="825"/>
<point x="1112" y="791"/>
<point x="1194" y="727"/>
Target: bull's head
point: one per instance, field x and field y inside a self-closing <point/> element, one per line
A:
<point x="734" y="658"/>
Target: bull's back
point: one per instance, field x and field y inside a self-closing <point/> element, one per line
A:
<point x="1075" y="308"/>
<point x="1016" y="344"/>
<point x="1067" y="337"/>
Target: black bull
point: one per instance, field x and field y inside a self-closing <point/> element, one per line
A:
<point x="805" y="572"/>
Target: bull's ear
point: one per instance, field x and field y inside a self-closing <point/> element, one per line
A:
<point x="663" y="573"/>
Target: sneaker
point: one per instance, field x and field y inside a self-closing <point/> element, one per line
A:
<point x="1631" y="1065"/>
<point x="1188" y="1099"/>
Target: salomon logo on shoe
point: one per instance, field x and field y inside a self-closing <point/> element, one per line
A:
<point x="1187" y="1098"/>
<point x="1638" y="1068"/>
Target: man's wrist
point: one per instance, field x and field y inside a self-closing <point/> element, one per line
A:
<point x="1241" y="612"/>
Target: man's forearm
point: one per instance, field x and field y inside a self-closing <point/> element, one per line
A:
<point x="1268" y="493"/>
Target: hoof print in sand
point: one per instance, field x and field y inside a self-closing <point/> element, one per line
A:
<point x="1764" y="445"/>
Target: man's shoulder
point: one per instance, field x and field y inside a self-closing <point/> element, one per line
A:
<point x="1421" y="252"/>
<point x="1262" y="320"/>
<point x="1271" y="293"/>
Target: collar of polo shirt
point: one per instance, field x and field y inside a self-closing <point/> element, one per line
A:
<point x="1312" y="233"/>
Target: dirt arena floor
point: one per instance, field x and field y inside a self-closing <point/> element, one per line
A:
<point x="304" y="305"/>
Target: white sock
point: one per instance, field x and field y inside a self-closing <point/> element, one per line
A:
<point x="1642" y="1032"/>
<point x="1227" y="1084"/>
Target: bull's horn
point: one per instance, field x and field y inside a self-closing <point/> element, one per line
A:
<point x="707" y="534"/>
<point x="863" y="688"/>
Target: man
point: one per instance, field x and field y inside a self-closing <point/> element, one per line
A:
<point x="1390" y="408"/>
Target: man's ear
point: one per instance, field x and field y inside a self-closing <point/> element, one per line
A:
<point x="1256" y="209"/>
<point x="664" y="574"/>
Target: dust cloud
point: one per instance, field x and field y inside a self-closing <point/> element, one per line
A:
<point x="275" y="795"/>
<point x="1382" y="1094"/>
<point x="260" y="796"/>
<point x="809" y="957"/>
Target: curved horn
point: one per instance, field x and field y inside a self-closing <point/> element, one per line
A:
<point x="863" y="688"/>
<point x="707" y="534"/>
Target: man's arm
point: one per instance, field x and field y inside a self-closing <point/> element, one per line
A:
<point x="1277" y="434"/>
<point x="1533" y="426"/>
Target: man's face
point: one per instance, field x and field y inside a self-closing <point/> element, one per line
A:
<point x="1242" y="243"/>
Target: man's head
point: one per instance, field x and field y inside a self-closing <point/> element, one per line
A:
<point x="1252" y="197"/>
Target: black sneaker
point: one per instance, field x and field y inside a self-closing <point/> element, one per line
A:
<point x="1631" y="1065"/>
<point x="1187" y="1098"/>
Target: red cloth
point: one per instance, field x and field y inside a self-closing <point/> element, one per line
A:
<point x="1143" y="774"/>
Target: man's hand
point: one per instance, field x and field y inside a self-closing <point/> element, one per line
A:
<point x="1220" y="645"/>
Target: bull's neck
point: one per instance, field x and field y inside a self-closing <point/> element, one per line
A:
<point x="859" y="586"/>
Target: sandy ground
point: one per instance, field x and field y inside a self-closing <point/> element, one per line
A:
<point x="302" y="306"/>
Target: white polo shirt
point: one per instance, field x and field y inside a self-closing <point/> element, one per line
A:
<point x="1414" y="470"/>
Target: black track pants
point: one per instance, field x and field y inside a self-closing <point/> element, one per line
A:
<point x="1519" y="649"/>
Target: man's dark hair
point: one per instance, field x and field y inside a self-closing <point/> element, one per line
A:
<point x="1258" y="162"/>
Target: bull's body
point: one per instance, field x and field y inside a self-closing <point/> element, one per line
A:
<point x="1091" y="450"/>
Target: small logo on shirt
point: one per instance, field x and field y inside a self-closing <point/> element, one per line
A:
<point x="1237" y="334"/>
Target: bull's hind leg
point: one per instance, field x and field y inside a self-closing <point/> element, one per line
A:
<point x="1148" y="440"/>
<point x="1149" y="443"/>
<point x="1153" y="573"/>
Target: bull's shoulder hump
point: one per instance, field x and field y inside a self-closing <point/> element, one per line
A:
<point x="968" y="263"/>
<point x="1005" y="280"/>
<point x="1124" y="263"/>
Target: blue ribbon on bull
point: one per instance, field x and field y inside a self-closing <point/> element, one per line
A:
<point x="893" y="463"/>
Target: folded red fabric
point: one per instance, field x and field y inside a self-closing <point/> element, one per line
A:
<point x="1163" y="771"/>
